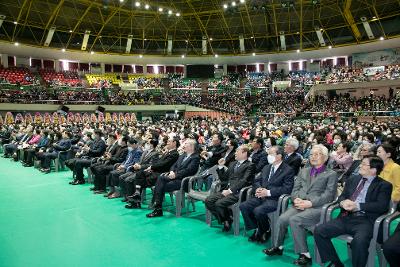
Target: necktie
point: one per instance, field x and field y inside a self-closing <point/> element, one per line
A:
<point x="271" y="173"/>
<point x="237" y="166"/>
<point x="355" y="194"/>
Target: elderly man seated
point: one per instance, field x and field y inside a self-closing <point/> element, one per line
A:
<point x="313" y="187"/>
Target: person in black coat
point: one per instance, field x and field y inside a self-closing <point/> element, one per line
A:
<point x="186" y="165"/>
<point x="96" y="149"/>
<point x="292" y="158"/>
<point x="391" y="248"/>
<point x="147" y="176"/>
<point x="258" y="156"/>
<point x="116" y="154"/>
<point x="275" y="179"/>
<point x="213" y="153"/>
<point x="239" y="174"/>
<point x="364" y="199"/>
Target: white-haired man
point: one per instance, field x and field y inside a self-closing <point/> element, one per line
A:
<point x="313" y="187"/>
<point x="292" y="158"/>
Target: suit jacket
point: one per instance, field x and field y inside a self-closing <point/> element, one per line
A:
<point x="132" y="157"/>
<point x="119" y="155"/>
<point x="217" y="153"/>
<point x="165" y="162"/>
<point x="377" y="199"/>
<point x="230" y="158"/>
<point x="280" y="183"/>
<point x="236" y="180"/>
<point x="62" y="145"/>
<point x="320" y="191"/>
<point x="260" y="159"/>
<point x="184" y="168"/>
<point x="112" y="148"/>
<point x="148" y="158"/>
<point x="294" y="161"/>
<point x="97" y="148"/>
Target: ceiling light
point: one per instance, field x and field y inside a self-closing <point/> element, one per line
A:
<point x="242" y="1"/>
<point x="70" y="31"/>
<point x="92" y="53"/>
<point x="298" y="50"/>
<point x="233" y="3"/>
<point x="15" y="22"/>
<point x="169" y="12"/>
<point x="16" y="44"/>
<point x="63" y="50"/>
<point x="381" y="38"/>
<point x="140" y="56"/>
<point x="137" y="4"/>
<point x="374" y="17"/>
<point x="252" y="37"/>
<point x="147" y="6"/>
<point x="160" y="9"/>
<point x="121" y="1"/>
<point x="225" y="6"/>
<point x="215" y="55"/>
<point x="254" y="54"/>
<point x="183" y="56"/>
<point x="178" y="14"/>
<point x="211" y="39"/>
<point x="330" y="47"/>
<point x="187" y="41"/>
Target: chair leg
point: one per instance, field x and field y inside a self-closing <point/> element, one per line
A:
<point x="236" y="220"/>
<point x="179" y="204"/>
<point x="208" y="217"/>
<point x="56" y="165"/>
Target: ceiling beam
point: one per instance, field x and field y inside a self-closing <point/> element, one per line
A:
<point x="102" y="27"/>
<point x="79" y="23"/>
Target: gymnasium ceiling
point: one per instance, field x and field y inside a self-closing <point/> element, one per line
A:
<point x="261" y="23"/>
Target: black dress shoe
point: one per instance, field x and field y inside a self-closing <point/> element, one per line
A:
<point x="253" y="237"/>
<point x="303" y="260"/>
<point x="72" y="182"/>
<point x="93" y="188"/>
<point x="155" y="213"/>
<point x="335" y="264"/>
<point x="133" y="206"/>
<point x="124" y="199"/>
<point x="273" y="251"/>
<point x="264" y="237"/>
<point x="226" y="226"/>
<point x="76" y="182"/>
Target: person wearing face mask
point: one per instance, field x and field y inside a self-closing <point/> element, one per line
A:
<point x="276" y="178"/>
<point x="341" y="160"/>
<point x="149" y="156"/>
<point x="113" y="156"/>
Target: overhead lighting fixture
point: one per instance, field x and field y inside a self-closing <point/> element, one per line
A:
<point x="121" y="1"/>
<point x="128" y="44"/>
<point x="137" y="4"/>
<point x="70" y="31"/>
<point x="140" y="56"/>
<point x="186" y="41"/>
<point x="367" y="28"/>
<point x="254" y="54"/>
<point x="147" y="6"/>
<point x="169" y="12"/>
<point x="382" y="38"/>
<point x="85" y="40"/>
<point x="233" y="3"/>
<point x="15" y="22"/>
<point x="49" y="36"/>
<point x="225" y="6"/>
<point x="283" y="40"/>
<point x="242" y="1"/>
<point x="91" y="52"/>
<point x="183" y="56"/>
<point x="178" y="14"/>
<point x="320" y="36"/>
<point x="215" y="55"/>
<point x="298" y="50"/>
<point x="160" y="9"/>
<point x="16" y="44"/>
<point x="211" y="39"/>
<point x="63" y="50"/>
<point x="252" y="37"/>
<point x="330" y="47"/>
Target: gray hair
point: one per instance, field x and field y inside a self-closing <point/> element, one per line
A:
<point x="293" y="142"/>
<point x="323" y="150"/>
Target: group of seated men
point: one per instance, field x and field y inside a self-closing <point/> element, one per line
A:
<point x="127" y="162"/>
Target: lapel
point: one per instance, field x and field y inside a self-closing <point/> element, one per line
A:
<point x="240" y="167"/>
<point x="371" y="188"/>
<point x="148" y="155"/>
<point x="279" y="170"/>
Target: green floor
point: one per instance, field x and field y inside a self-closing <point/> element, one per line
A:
<point x="44" y="221"/>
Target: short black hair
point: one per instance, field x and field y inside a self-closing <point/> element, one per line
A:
<point x="220" y="136"/>
<point x="125" y="139"/>
<point x="346" y="145"/>
<point x="154" y="142"/>
<point x="98" y="132"/>
<point x="376" y="163"/>
<point x="259" y="141"/>
<point x="233" y="142"/>
<point x="176" y="140"/>
<point x="112" y="136"/>
<point x="132" y="141"/>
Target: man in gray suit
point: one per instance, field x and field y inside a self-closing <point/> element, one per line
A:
<point x="314" y="187"/>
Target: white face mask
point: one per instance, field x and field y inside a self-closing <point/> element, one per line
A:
<point x="271" y="159"/>
<point x="268" y="143"/>
<point x="365" y="142"/>
<point x="147" y="146"/>
<point x="336" y="141"/>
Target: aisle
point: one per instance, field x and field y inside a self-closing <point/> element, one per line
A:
<point x="44" y="221"/>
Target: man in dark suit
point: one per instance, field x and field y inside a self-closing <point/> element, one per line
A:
<point x="213" y="153"/>
<point x="116" y="154"/>
<point x="127" y="180"/>
<point x="275" y="179"/>
<point x="96" y="149"/>
<point x="62" y="144"/>
<point x="258" y="156"/>
<point x="147" y="176"/>
<point x="292" y="158"/>
<point x="238" y="175"/>
<point x="364" y="199"/>
<point x="187" y="165"/>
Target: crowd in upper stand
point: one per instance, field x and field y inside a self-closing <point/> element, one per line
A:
<point x="262" y="157"/>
